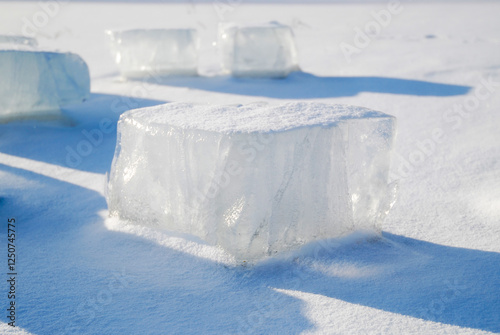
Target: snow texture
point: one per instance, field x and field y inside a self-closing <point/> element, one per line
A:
<point x="253" y="179"/>
<point x="158" y="52"/>
<point x="257" y="51"/>
<point x="435" y="268"/>
<point x="36" y="84"/>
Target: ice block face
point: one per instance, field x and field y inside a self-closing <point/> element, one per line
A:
<point x="257" y="51"/>
<point x="156" y="52"/>
<point x="253" y="179"/>
<point x="38" y="83"/>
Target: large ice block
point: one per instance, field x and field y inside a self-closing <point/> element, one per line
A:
<point x="257" y="51"/>
<point x="254" y="179"/>
<point x="38" y="83"/>
<point x="155" y="52"/>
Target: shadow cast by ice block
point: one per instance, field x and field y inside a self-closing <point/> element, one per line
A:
<point x="110" y="282"/>
<point x="85" y="140"/>
<point x="301" y="85"/>
<point x="455" y="286"/>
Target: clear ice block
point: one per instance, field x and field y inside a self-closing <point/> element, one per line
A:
<point x="253" y="179"/>
<point x="257" y="51"/>
<point x="38" y="83"/>
<point x="155" y="52"/>
<point x="17" y="40"/>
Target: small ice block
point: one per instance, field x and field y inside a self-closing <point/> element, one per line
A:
<point x="257" y="51"/>
<point x="17" y="40"/>
<point x="36" y="84"/>
<point x="143" y="53"/>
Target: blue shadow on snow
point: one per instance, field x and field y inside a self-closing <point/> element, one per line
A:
<point x="301" y="85"/>
<point x="67" y="145"/>
<point x="78" y="277"/>
<point x="401" y="275"/>
<point x="397" y="274"/>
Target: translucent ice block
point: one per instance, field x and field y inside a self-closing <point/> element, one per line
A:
<point x="155" y="52"/>
<point x="38" y="83"/>
<point x="257" y="51"/>
<point x="14" y="40"/>
<point x="253" y="179"/>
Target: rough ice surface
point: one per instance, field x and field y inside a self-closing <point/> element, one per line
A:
<point x="253" y="179"/>
<point x="36" y="84"/>
<point x="257" y="51"/>
<point x="155" y="52"/>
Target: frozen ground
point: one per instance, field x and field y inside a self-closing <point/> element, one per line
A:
<point x="437" y="267"/>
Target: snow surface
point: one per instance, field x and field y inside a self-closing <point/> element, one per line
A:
<point x="434" y="271"/>
<point x="253" y="179"/>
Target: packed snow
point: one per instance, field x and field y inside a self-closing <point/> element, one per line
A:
<point x="143" y="53"/>
<point x="435" y="66"/>
<point x="253" y="179"/>
<point x="265" y="50"/>
<point x="36" y="84"/>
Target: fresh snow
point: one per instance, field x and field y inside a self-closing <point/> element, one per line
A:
<point x="434" y="66"/>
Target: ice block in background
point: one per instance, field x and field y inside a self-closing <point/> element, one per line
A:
<point x="257" y="51"/>
<point x="36" y="84"/>
<point x="17" y="40"/>
<point x="155" y="52"/>
<point x="254" y="179"/>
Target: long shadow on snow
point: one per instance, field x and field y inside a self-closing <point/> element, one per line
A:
<point x="301" y="85"/>
<point x="433" y="282"/>
<point x="78" y="277"/>
<point x="68" y="145"/>
<point x="64" y="241"/>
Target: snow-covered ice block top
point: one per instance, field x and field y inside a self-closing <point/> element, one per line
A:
<point x="155" y="52"/>
<point x="266" y="50"/>
<point x="253" y="179"/>
<point x="36" y="84"/>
